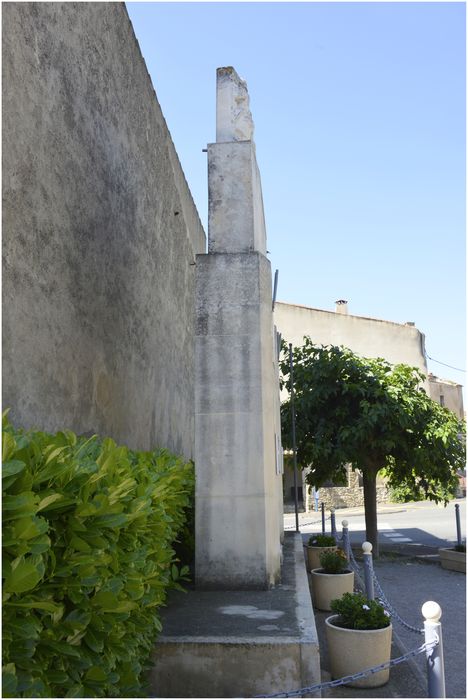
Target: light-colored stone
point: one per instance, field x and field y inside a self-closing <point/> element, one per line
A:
<point x="233" y="117"/>
<point x="238" y="526"/>
<point x="235" y="215"/>
<point x="237" y="515"/>
<point x="328" y="587"/>
<point x="351" y="651"/>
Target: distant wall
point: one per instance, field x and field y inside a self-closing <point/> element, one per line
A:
<point x="368" y="337"/>
<point x="448" y="394"/>
<point x="99" y="233"/>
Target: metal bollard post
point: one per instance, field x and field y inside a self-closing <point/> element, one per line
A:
<point x="434" y="657"/>
<point x="457" y="518"/>
<point x="346" y="543"/>
<point x="323" y="518"/>
<point x="368" y="570"/>
<point x="333" y="522"/>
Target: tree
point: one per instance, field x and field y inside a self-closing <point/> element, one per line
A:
<point x="374" y="416"/>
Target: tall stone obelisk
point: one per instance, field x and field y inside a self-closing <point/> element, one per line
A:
<point x="237" y="446"/>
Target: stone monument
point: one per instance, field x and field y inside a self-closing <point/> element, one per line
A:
<point x="238" y="456"/>
<point x="236" y="634"/>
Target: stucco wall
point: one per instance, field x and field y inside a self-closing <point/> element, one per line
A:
<point x="99" y="233"/>
<point x="448" y="394"/>
<point x="369" y="337"/>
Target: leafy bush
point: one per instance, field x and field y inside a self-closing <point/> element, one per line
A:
<point x="460" y="547"/>
<point x="322" y="541"/>
<point x="408" y="491"/>
<point x="357" y="613"/>
<point x="87" y="560"/>
<point x="333" y="562"/>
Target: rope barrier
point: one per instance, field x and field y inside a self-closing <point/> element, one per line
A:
<point x="356" y="676"/>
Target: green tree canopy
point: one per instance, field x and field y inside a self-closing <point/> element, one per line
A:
<point x="372" y="415"/>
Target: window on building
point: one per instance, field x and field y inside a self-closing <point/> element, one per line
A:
<point x="442" y="400"/>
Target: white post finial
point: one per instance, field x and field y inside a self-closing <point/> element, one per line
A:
<point x="344" y="523"/>
<point x="431" y="611"/>
<point x="366" y="547"/>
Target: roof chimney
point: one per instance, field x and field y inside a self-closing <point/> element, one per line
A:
<point x="341" y="306"/>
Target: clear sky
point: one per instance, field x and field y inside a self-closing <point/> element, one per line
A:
<point x="359" y="112"/>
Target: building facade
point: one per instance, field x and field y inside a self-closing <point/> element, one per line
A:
<point x="368" y="337"/>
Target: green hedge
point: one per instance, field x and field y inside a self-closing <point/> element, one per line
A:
<point x="87" y="549"/>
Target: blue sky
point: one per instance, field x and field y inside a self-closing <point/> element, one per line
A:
<point x="359" y="112"/>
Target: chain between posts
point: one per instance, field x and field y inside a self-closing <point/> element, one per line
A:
<point x="392" y="610"/>
<point x="384" y="598"/>
<point x="356" y="676"/>
<point x="354" y="564"/>
<point x="311" y="522"/>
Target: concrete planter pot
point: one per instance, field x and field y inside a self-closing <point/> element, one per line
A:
<point x="313" y="555"/>
<point x="351" y="651"/>
<point x="451" y="559"/>
<point x="327" y="587"/>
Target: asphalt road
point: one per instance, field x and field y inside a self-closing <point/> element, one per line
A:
<point x="422" y="523"/>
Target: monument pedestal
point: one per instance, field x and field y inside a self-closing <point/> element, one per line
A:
<point x="237" y="634"/>
<point x="238" y="644"/>
<point x="237" y="532"/>
<point x="238" y="461"/>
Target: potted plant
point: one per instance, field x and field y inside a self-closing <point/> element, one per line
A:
<point x="331" y="580"/>
<point x="315" y="547"/>
<point x="454" y="559"/>
<point x="359" y="636"/>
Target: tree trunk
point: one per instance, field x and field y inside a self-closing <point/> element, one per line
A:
<point x="370" y="506"/>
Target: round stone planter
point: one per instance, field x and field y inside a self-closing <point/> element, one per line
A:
<point x="313" y="556"/>
<point x="327" y="587"/>
<point x="351" y="651"/>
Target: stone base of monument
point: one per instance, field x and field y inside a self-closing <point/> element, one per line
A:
<point x="224" y="644"/>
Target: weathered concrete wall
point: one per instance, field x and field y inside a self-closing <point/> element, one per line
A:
<point x="99" y="233"/>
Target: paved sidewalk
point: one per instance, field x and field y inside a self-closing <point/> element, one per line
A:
<point x="408" y="581"/>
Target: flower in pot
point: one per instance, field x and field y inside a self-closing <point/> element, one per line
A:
<point x="315" y="547"/>
<point x="359" y="636"/>
<point x="331" y="580"/>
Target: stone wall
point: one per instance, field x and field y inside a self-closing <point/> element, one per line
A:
<point x="344" y="497"/>
<point x="99" y="233"/>
<point x="347" y="496"/>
